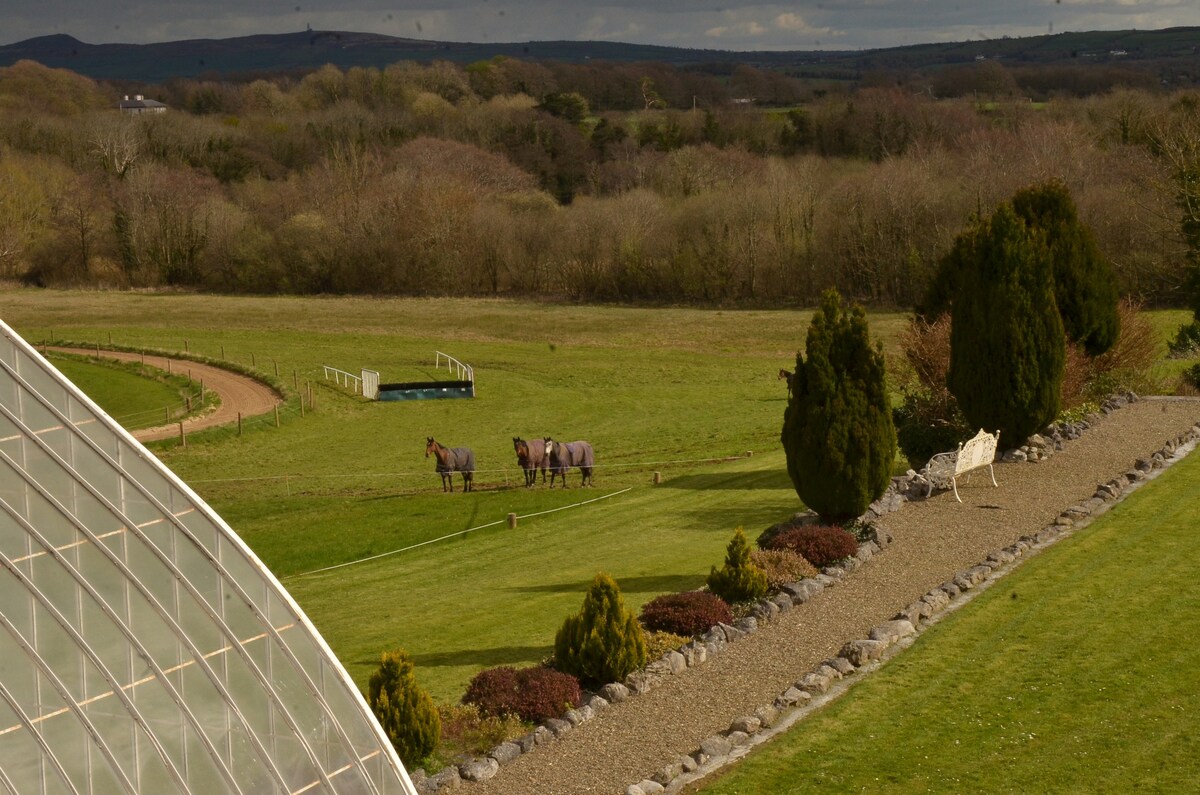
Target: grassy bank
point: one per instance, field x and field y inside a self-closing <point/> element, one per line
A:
<point x="1073" y="674"/>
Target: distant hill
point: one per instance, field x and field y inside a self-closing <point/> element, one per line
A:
<point x="311" y="49"/>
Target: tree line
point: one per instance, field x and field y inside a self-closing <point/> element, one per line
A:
<point x="602" y="182"/>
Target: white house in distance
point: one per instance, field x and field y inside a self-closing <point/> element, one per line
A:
<point x="144" y="648"/>
<point x="139" y="104"/>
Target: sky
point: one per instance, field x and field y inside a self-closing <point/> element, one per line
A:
<point x="706" y="24"/>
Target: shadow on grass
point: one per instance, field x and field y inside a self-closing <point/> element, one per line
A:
<point x="656" y="584"/>
<point x="742" y="481"/>
<point x="499" y="655"/>
<point x="749" y="518"/>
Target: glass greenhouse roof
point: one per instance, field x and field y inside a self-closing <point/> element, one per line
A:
<point x="143" y="646"/>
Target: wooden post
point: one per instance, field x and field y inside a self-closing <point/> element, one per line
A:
<point x="276" y="368"/>
<point x="657" y="478"/>
<point x="253" y="363"/>
<point x="110" y="338"/>
<point x="296" y="380"/>
<point x="749" y="453"/>
<point x="189" y="404"/>
<point x="185" y="346"/>
<point x="512" y="521"/>
<point x="182" y="435"/>
<point x="310" y="400"/>
<point x="97" y="350"/>
<point x="168" y="367"/>
<point x="143" y="357"/>
<point x="166" y="413"/>
<point x="302" y="406"/>
<point x="276" y="415"/>
<point x="222" y="351"/>
<point x="201" y="386"/>
<point x="239" y="423"/>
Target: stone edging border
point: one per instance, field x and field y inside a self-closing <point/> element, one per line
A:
<point x="858" y="654"/>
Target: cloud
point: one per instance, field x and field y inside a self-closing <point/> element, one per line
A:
<point x="747" y="28"/>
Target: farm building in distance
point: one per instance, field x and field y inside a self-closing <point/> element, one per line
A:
<point x="145" y="647"/>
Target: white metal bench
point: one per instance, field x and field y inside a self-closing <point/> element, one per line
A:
<point x="943" y="469"/>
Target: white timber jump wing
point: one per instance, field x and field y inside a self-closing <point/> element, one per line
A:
<point x="943" y="469"/>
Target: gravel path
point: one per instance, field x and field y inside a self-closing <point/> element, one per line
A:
<point x="239" y="393"/>
<point x="933" y="539"/>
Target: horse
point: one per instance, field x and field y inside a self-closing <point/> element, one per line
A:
<point x="451" y="460"/>
<point x="532" y="455"/>
<point x="786" y="375"/>
<point x="564" y="455"/>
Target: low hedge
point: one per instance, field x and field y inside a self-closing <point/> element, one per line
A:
<point x="820" y="545"/>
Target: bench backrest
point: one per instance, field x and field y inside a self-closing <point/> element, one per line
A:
<point x="978" y="451"/>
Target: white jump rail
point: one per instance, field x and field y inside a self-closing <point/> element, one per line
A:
<point x="464" y="371"/>
<point x="943" y="469"/>
<point x="342" y="378"/>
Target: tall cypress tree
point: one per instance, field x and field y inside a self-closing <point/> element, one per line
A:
<point x="1007" y="348"/>
<point x="603" y="642"/>
<point x="1085" y="287"/>
<point x="837" y="429"/>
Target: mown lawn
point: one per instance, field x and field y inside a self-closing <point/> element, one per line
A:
<point x="1073" y="674"/>
<point x="131" y="399"/>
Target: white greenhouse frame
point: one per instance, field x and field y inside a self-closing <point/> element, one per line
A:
<point x="144" y="648"/>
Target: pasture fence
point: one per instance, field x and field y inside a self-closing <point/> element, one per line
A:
<point x="344" y="379"/>
<point x="511" y="518"/>
<point x="462" y="372"/>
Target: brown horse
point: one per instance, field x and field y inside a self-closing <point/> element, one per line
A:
<point x="451" y="460"/>
<point x="787" y="375"/>
<point x="532" y="455"/>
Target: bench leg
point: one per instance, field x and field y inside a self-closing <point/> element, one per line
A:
<point x="954" y="482"/>
<point x="992" y="472"/>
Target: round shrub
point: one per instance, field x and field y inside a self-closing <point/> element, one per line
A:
<point x="659" y="643"/>
<point x="603" y="642"/>
<point x="820" y="545"/>
<point x="688" y="614"/>
<point x="405" y="711"/>
<point x="782" y="566"/>
<point x="532" y="694"/>
<point x="738" y="580"/>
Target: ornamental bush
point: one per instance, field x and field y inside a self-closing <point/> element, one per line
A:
<point x="782" y="566"/>
<point x="837" y="429"/>
<point x="532" y="694"/>
<point x="820" y="545"/>
<point x="688" y="614"/>
<point x="603" y="642"/>
<point x="405" y="711"/>
<point x="1007" y="347"/>
<point x="738" y="580"/>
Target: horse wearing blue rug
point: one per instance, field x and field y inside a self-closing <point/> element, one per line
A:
<point x="451" y="460"/>
<point x="564" y="455"/>
<point x="532" y="455"/>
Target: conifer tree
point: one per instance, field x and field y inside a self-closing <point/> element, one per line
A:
<point x="1085" y="287"/>
<point x="405" y="711"/>
<point x="1007" y="347"/>
<point x="837" y="429"/>
<point x="603" y="642"/>
<point x="739" y="580"/>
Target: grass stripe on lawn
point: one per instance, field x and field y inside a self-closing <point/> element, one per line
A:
<point x="1076" y="673"/>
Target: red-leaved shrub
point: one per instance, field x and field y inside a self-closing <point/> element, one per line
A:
<point x="820" y="545"/>
<point x="689" y="613"/>
<point x="532" y="694"/>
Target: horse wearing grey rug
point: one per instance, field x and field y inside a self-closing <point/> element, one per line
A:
<point x="532" y="455"/>
<point x="451" y="460"/>
<point x="564" y="455"/>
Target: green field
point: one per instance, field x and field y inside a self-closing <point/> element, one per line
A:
<point x="131" y="399"/>
<point x="1072" y="674"/>
<point x="665" y="390"/>
<point x="684" y="392"/>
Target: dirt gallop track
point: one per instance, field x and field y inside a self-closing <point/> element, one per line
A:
<point x="238" y="393"/>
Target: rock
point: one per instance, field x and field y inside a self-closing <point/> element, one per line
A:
<point x="732" y="634"/>
<point x="649" y="787"/>
<point x="581" y="715"/>
<point x="505" y="752"/>
<point x="829" y="672"/>
<point x="892" y="631"/>
<point x="767" y="715"/>
<point x="813" y="683"/>
<point x="1001" y="557"/>
<point x="791" y="697"/>
<point x="747" y="625"/>
<point x="688" y="764"/>
<point x="936" y="600"/>
<point x="668" y="774"/>
<point x="950" y="588"/>
<point x="614" y="692"/>
<point x="479" y="769"/>
<point x="714" y="637"/>
<point x="867" y="551"/>
<point x="557" y="726"/>
<point x="597" y="703"/>
<point x="716" y="745"/>
<point x="695" y="653"/>
<point x="446" y="779"/>
<point x="639" y="682"/>
<point x="542" y="735"/>
<point x="802" y="591"/>
<point x="782" y="601"/>
<point x="746" y="724"/>
<point x="860" y="652"/>
<point x="738" y="738"/>
<point x="840" y="664"/>
<point x="634" y="789"/>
